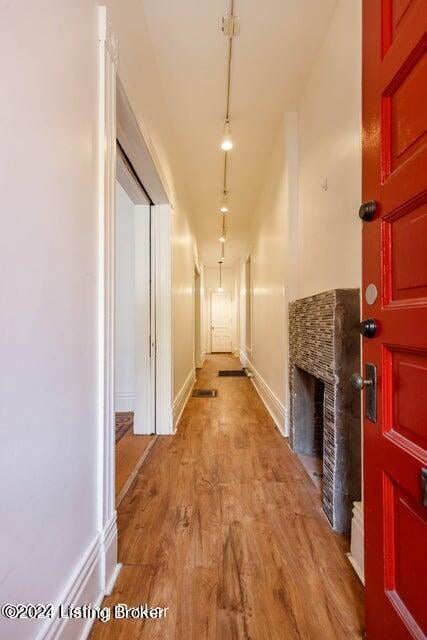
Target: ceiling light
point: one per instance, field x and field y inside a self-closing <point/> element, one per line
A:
<point x="227" y="143"/>
<point x="222" y="239"/>
<point x="224" y="206"/>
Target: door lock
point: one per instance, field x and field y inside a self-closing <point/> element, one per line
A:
<point x="368" y="210"/>
<point x="369" y="382"/>
<point x="368" y="328"/>
<point x="358" y="383"/>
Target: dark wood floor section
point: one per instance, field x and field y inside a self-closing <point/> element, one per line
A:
<point x="223" y="526"/>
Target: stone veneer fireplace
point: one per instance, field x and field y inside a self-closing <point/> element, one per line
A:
<point x="324" y="350"/>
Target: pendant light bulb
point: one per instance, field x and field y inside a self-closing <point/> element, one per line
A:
<point x="222" y="238"/>
<point x="224" y="206"/>
<point x="227" y="142"/>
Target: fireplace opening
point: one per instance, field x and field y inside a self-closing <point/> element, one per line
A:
<point x="308" y="423"/>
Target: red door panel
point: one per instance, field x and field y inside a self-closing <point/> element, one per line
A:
<point x="395" y="261"/>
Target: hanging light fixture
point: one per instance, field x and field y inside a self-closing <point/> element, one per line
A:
<point x="230" y="28"/>
<point x="227" y="142"/>
<point x="220" y="288"/>
<point x="222" y="236"/>
<point x="224" y="206"/>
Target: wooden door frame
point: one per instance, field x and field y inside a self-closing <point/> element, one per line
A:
<point x="116" y="120"/>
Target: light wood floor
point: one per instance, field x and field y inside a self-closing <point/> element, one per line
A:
<point x="224" y="526"/>
<point x="129" y="450"/>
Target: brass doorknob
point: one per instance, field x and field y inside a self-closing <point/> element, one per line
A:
<point x="358" y="383"/>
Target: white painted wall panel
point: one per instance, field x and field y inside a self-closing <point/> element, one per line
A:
<point x="48" y="281"/>
<point x="330" y="148"/>
<point x="273" y="240"/>
<point x="48" y="285"/>
<point x="305" y="239"/>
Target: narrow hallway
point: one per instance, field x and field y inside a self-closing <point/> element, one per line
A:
<point x="223" y="526"/>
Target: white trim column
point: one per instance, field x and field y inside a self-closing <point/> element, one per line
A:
<point x="106" y="276"/>
<point x="163" y="278"/>
<point x="144" y="421"/>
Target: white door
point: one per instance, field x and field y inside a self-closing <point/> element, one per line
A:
<point x="221" y="322"/>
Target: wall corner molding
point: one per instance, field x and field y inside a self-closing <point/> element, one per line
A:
<point x="274" y="406"/>
<point x="93" y="578"/>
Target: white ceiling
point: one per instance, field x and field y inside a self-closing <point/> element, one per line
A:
<point x="271" y="60"/>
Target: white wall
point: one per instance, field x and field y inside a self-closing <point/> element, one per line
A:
<point x="210" y="284"/>
<point x="330" y="147"/>
<point x="305" y="240"/>
<point x="48" y="284"/>
<point x="125" y="302"/>
<point x="138" y="73"/>
<point x="182" y="299"/>
<point x="273" y="243"/>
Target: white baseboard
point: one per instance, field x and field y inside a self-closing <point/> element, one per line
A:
<point x="357" y="550"/>
<point x="201" y="361"/>
<point x="274" y="406"/>
<point x="124" y="401"/>
<point x="93" y="578"/>
<point x="109" y="540"/>
<point x="182" y="398"/>
<point x="110" y="585"/>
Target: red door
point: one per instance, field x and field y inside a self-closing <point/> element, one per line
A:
<point x="395" y="261"/>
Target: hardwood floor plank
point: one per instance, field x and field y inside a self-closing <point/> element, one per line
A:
<point x="129" y="449"/>
<point x="224" y="526"/>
